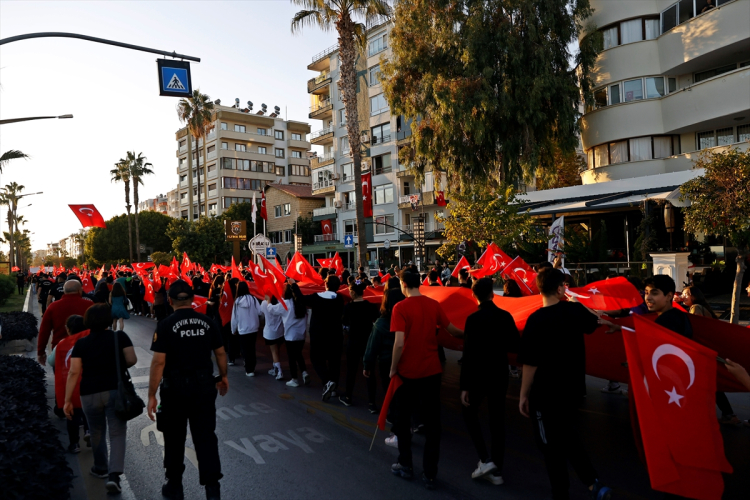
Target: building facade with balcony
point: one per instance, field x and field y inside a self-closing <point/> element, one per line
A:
<point x="285" y="204"/>
<point x="159" y="204"/>
<point x="672" y="82"/>
<point x="332" y="170"/>
<point x="245" y="151"/>
<point x="173" y="203"/>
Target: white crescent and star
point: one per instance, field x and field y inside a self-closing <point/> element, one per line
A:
<point x="298" y="269"/>
<point x="594" y="291"/>
<point x="669" y="349"/>
<point x="86" y="211"/>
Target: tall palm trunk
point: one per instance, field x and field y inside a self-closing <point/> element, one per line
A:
<point x="137" y="231"/>
<point x="198" y="171"/>
<point x="347" y="50"/>
<point x="127" y="207"/>
<point x="11" y="253"/>
<point x="205" y="165"/>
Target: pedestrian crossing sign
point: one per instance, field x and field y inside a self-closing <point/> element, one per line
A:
<point x="174" y="78"/>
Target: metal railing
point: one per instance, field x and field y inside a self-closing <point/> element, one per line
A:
<point x="320" y="133"/>
<point x="317" y="160"/>
<point x="377" y="50"/>
<point x="381" y="140"/>
<point x="323" y="238"/>
<point x="403" y="134"/>
<point x="330" y="50"/>
<point x="320" y="105"/>
<point x="406" y="198"/>
<point x="323" y="184"/>
<point x="324" y="211"/>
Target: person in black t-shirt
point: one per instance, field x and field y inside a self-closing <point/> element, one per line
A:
<point x="182" y="346"/>
<point x="554" y="366"/>
<point x="57" y="290"/>
<point x="43" y="290"/>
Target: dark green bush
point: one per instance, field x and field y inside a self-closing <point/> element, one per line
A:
<point x="18" y="325"/>
<point x="7" y="287"/>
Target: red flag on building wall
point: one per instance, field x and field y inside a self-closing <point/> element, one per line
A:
<point x="440" y="199"/>
<point x="326" y="226"/>
<point x="367" y="193"/>
<point x="88" y="215"/>
<point x="263" y="212"/>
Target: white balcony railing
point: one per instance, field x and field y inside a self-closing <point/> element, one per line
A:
<point x="212" y="193"/>
<point x="319" y="133"/>
<point x="324" y="211"/>
<point x="323" y="184"/>
<point x="352" y="205"/>
<point x="183" y="149"/>
<point x="429" y="226"/>
<point x="406" y="198"/>
<point x="212" y="155"/>
<point x="323" y="158"/>
<point x="322" y="238"/>
<point x="183" y="184"/>
<point x="320" y="105"/>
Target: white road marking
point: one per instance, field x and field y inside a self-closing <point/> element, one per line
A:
<point x="140" y="380"/>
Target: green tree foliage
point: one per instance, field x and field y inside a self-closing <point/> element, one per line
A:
<point x="106" y="246"/>
<point x="484" y="216"/>
<point x="720" y="205"/>
<point x="308" y="228"/>
<point x="163" y="258"/>
<point x="491" y="83"/>
<point x="243" y="211"/>
<point x="203" y="240"/>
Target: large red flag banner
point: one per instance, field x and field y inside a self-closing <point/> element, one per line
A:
<point x="326" y="226"/>
<point x="88" y="215"/>
<point x="227" y="303"/>
<point x="367" y="194"/>
<point x="274" y="285"/>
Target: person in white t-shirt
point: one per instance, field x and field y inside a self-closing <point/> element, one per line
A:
<point x="294" y="321"/>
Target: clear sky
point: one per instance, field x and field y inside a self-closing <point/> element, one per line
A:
<point x="246" y="50"/>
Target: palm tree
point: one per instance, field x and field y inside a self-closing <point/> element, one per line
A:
<point x="121" y="173"/>
<point x="196" y="111"/>
<point x="138" y="168"/>
<point x="10" y="196"/>
<point x="12" y="154"/>
<point x="340" y="15"/>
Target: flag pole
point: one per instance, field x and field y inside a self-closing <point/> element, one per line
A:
<point x="373" y="437"/>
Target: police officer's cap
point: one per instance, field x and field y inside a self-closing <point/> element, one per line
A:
<point x="180" y="290"/>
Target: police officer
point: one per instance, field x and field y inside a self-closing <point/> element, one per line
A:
<point x="43" y="290"/>
<point x="57" y="290"/>
<point x="182" y="347"/>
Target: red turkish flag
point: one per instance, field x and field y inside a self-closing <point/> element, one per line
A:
<point x="301" y="270"/>
<point x="149" y="286"/>
<point x="326" y="226"/>
<point x="140" y="268"/>
<point x="164" y="271"/>
<point x="157" y="279"/>
<point x="426" y="281"/>
<point x="440" y="199"/>
<point x="88" y="287"/>
<point x="259" y="277"/>
<point x="324" y="262"/>
<point x="187" y="265"/>
<point x="392" y="388"/>
<point x="199" y="304"/>
<point x="367" y="194"/>
<point x="462" y="264"/>
<point x="62" y="367"/>
<point x="607" y="295"/>
<point x="673" y="380"/>
<point x="88" y="215"/>
<point x="274" y="286"/>
<point x="15" y="269"/>
<point x="263" y="212"/>
<point x="522" y="273"/>
<point x="337" y="264"/>
<point x="236" y="272"/>
<point x="227" y="303"/>
<point x="493" y="260"/>
<point x="174" y="267"/>
<point x="100" y="273"/>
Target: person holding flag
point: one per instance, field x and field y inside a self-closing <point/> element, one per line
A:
<point x="554" y="367"/>
<point x="326" y="334"/>
<point x="245" y="322"/>
<point x="294" y="320"/>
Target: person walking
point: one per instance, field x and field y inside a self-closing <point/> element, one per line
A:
<point x="101" y="293"/>
<point x="326" y="334"/>
<point x="117" y="300"/>
<point x="490" y="334"/>
<point x="43" y="290"/>
<point x="246" y="323"/>
<point x="554" y="363"/>
<point x="358" y="317"/>
<point x="92" y="361"/>
<point x="21" y="282"/>
<point x="273" y="334"/>
<point x="53" y="321"/>
<point x="294" y="320"/>
<point x="415" y="359"/>
<point x="183" y="370"/>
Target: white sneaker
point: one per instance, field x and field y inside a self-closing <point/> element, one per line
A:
<point x="280" y="375"/>
<point x="272" y="371"/>
<point x="251" y="374"/>
<point x="482" y="469"/>
<point x="497" y="480"/>
<point x="305" y="378"/>
<point x="230" y="363"/>
<point x="392" y="441"/>
<point x="293" y="383"/>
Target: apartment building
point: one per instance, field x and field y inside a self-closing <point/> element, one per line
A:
<point x="394" y="189"/>
<point x="672" y="82"/>
<point x="245" y="151"/>
<point x="173" y="203"/>
<point x="159" y="204"/>
<point x="285" y="204"/>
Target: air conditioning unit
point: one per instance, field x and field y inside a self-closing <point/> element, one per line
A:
<point x="335" y="177"/>
<point x="337" y="204"/>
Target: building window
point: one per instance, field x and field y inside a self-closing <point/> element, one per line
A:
<point x="182" y="161"/>
<point x="382" y="164"/>
<point x="618" y="152"/>
<point x="280" y="170"/>
<point x="350" y="227"/>
<point x="240" y="147"/>
<point x="631" y="31"/>
<point x="296" y="137"/>
<point x="183" y="196"/>
<point x="288" y="236"/>
<point x="212" y="208"/>
<point x="381" y="224"/>
<point x="600" y="98"/>
<point x="296" y="154"/>
<point x="224" y="145"/>
<point x="184" y="214"/>
<point x="724" y="136"/>
<point x="345" y="146"/>
<point x="378" y="104"/>
<point x="212" y="187"/>
<point x="381" y="133"/>
<point x="262" y="150"/>
<point x="614" y="94"/>
<point x="279" y="153"/>
<point x="277" y="211"/>
<point x="262" y="131"/>
<point x="640" y="149"/>
<point x="350" y="200"/>
<point x="183" y="142"/>
<point x="652" y="28"/>
<point x="610" y="37"/>
<point x="743" y="133"/>
<point x="239" y="128"/>
<point x="662" y="147"/>
<point x="211" y="148"/>
<point x="223" y="126"/>
<point x="287" y="209"/>
<point x="375" y="75"/>
<point x="706" y="140"/>
<point x="705" y="75"/>
<point x="300" y="170"/>
<point x="278" y="134"/>
<point x="183" y="178"/>
<point x="601" y="155"/>
<point x="406" y="188"/>
<point x="378" y="45"/>
<point x="342" y="117"/>
<point x="242" y="183"/>
<point x="383" y="194"/>
<point x="669" y="18"/>
<point x="348" y="171"/>
<point x="633" y="90"/>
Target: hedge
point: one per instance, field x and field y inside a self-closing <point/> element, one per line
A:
<point x="18" y="325"/>
<point x="7" y="287"/>
<point x="32" y="459"/>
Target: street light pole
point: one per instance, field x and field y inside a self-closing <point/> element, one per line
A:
<point x="25" y="119"/>
<point x="15" y="222"/>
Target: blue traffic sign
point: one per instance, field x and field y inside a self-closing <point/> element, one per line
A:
<point x="270" y="252"/>
<point x="174" y="78"/>
<point x="348" y="241"/>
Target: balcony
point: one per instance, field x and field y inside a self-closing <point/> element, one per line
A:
<point x="325" y="186"/>
<point x="322" y="60"/>
<point x="183" y="149"/>
<point x="381" y="139"/>
<point x="403" y="137"/>
<point x="322" y="160"/>
<point x="432" y="230"/>
<point x="184" y="184"/>
<point x="294" y="143"/>
<point x="326" y="238"/>
<point x="213" y="193"/>
<point x="402" y="171"/>
<point x="322" y="136"/>
<point x="319" y="84"/>
<point x="247" y="137"/>
<point x="324" y="211"/>
<point x="375" y="50"/>
<point x="213" y="173"/>
<point x="425" y="198"/>
<point x="321" y="110"/>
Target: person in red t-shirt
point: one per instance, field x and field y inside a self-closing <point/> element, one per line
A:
<point x="415" y="321"/>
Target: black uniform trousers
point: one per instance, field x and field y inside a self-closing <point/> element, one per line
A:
<point x="557" y="434"/>
<point x="495" y="396"/>
<point x="199" y="409"/>
<point x="325" y="354"/>
<point x="419" y="396"/>
<point x="355" y="351"/>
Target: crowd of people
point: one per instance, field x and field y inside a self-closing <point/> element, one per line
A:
<point x="397" y="338"/>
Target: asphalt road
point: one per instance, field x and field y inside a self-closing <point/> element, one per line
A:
<point x="281" y="442"/>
